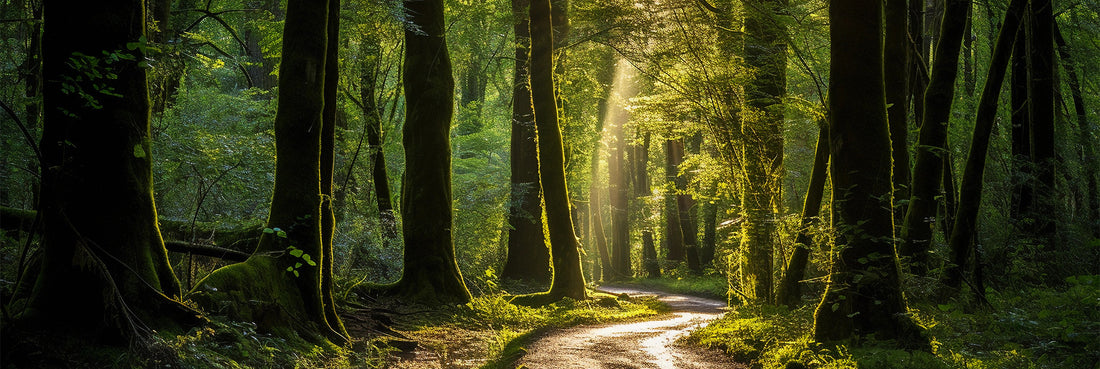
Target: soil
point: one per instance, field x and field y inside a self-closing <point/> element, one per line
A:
<point x="646" y="344"/>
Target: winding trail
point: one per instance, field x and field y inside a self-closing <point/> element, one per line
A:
<point x="646" y="344"/>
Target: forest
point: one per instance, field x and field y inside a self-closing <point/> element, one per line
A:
<point x="499" y="183"/>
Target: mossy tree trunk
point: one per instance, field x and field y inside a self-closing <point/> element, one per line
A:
<point x="431" y="271"/>
<point x="1020" y="203"/>
<point x="288" y="270"/>
<point x="789" y="292"/>
<point x="328" y="164"/>
<point x="863" y="295"/>
<point x="920" y="217"/>
<point x="970" y="196"/>
<point x="762" y="150"/>
<point x="372" y="116"/>
<point x="528" y="251"/>
<point x="1041" y="95"/>
<point x="105" y="273"/>
<point x="568" y="281"/>
<point x="896" y="53"/>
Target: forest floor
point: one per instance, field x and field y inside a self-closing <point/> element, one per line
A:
<point x="646" y="344"/>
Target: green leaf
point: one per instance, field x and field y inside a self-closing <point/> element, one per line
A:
<point x="290" y="269"/>
<point x="836" y="306"/>
<point x="297" y="265"/>
<point x="269" y="230"/>
<point x="311" y="262"/>
<point x="139" y="152"/>
<point x="281" y="234"/>
<point x="296" y="253"/>
<point x="296" y="273"/>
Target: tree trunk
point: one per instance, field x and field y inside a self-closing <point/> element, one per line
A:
<point x="103" y="263"/>
<point x="372" y="121"/>
<point x="928" y="171"/>
<point x="528" y="253"/>
<point x="896" y="63"/>
<point x="619" y="179"/>
<point x="688" y="212"/>
<point x="864" y="294"/>
<point x="674" y="236"/>
<point x="970" y="196"/>
<point x="330" y="113"/>
<point x="1020" y="205"/>
<point x="286" y="270"/>
<point x="565" y="257"/>
<point x="431" y="271"/>
<point x="1084" y="134"/>
<point x="1041" y="93"/>
<point x="762" y="155"/>
<point x="595" y="217"/>
<point x="649" y="254"/>
<point x="710" y="228"/>
<point x="790" y="291"/>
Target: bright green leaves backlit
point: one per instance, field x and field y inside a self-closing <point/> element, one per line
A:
<point x="302" y="257"/>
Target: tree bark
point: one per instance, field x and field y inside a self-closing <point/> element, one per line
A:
<point x="1084" y="134"/>
<point x="762" y="155"/>
<point x="104" y="263"/>
<point x="1041" y="94"/>
<point x="970" y="196"/>
<point x="674" y="235"/>
<point x="1020" y="203"/>
<point x="568" y="281"/>
<point x="528" y="252"/>
<point x="372" y="118"/>
<point x="928" y="171"/>
<point x="431" y="271"/>
<point x="330" y="112"/>
<point x="896" y="63"/>
<point x="287" y="269"/>
<point x="864" y="294"/>
<point x="790" y="291"/>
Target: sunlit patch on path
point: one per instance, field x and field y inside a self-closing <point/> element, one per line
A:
<point x="648" y="344"/>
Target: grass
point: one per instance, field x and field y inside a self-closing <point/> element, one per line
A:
<point x="1032" y="328"/>
<point x="709" y="286"/>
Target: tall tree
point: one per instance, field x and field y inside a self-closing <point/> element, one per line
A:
<point x="762" y="150"/>
<point x="674" y="235"/>
<point x="568" y="281"/>
<point x="928" y="170"/>
<point x="1084" y="134"/>
<point x="287" y="270"/>
<point x="895" y="58"/>
<point x="371" y="50"/>
<point x="863" y="295"/>
<point x="618" y="177"/>
<point x="104" y="271"/>
<point x="528" y="252"/>
<point x="330" y="114"/>
<point x="970" y="196"/>
<point x="1041" y="96"/>
<point x="431" y="271"/>
<point x="789" y="292"/>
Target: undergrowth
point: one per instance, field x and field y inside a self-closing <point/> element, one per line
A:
<point x="1033" y="328"/>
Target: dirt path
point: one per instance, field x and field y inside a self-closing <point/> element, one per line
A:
<point x="648" y="344"/>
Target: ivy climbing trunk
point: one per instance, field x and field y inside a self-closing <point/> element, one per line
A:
<point x="431" y="272"/>
<point x="863" y="295"/>
<point x="528" y="252"/>
<point x="104" y="271"/>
